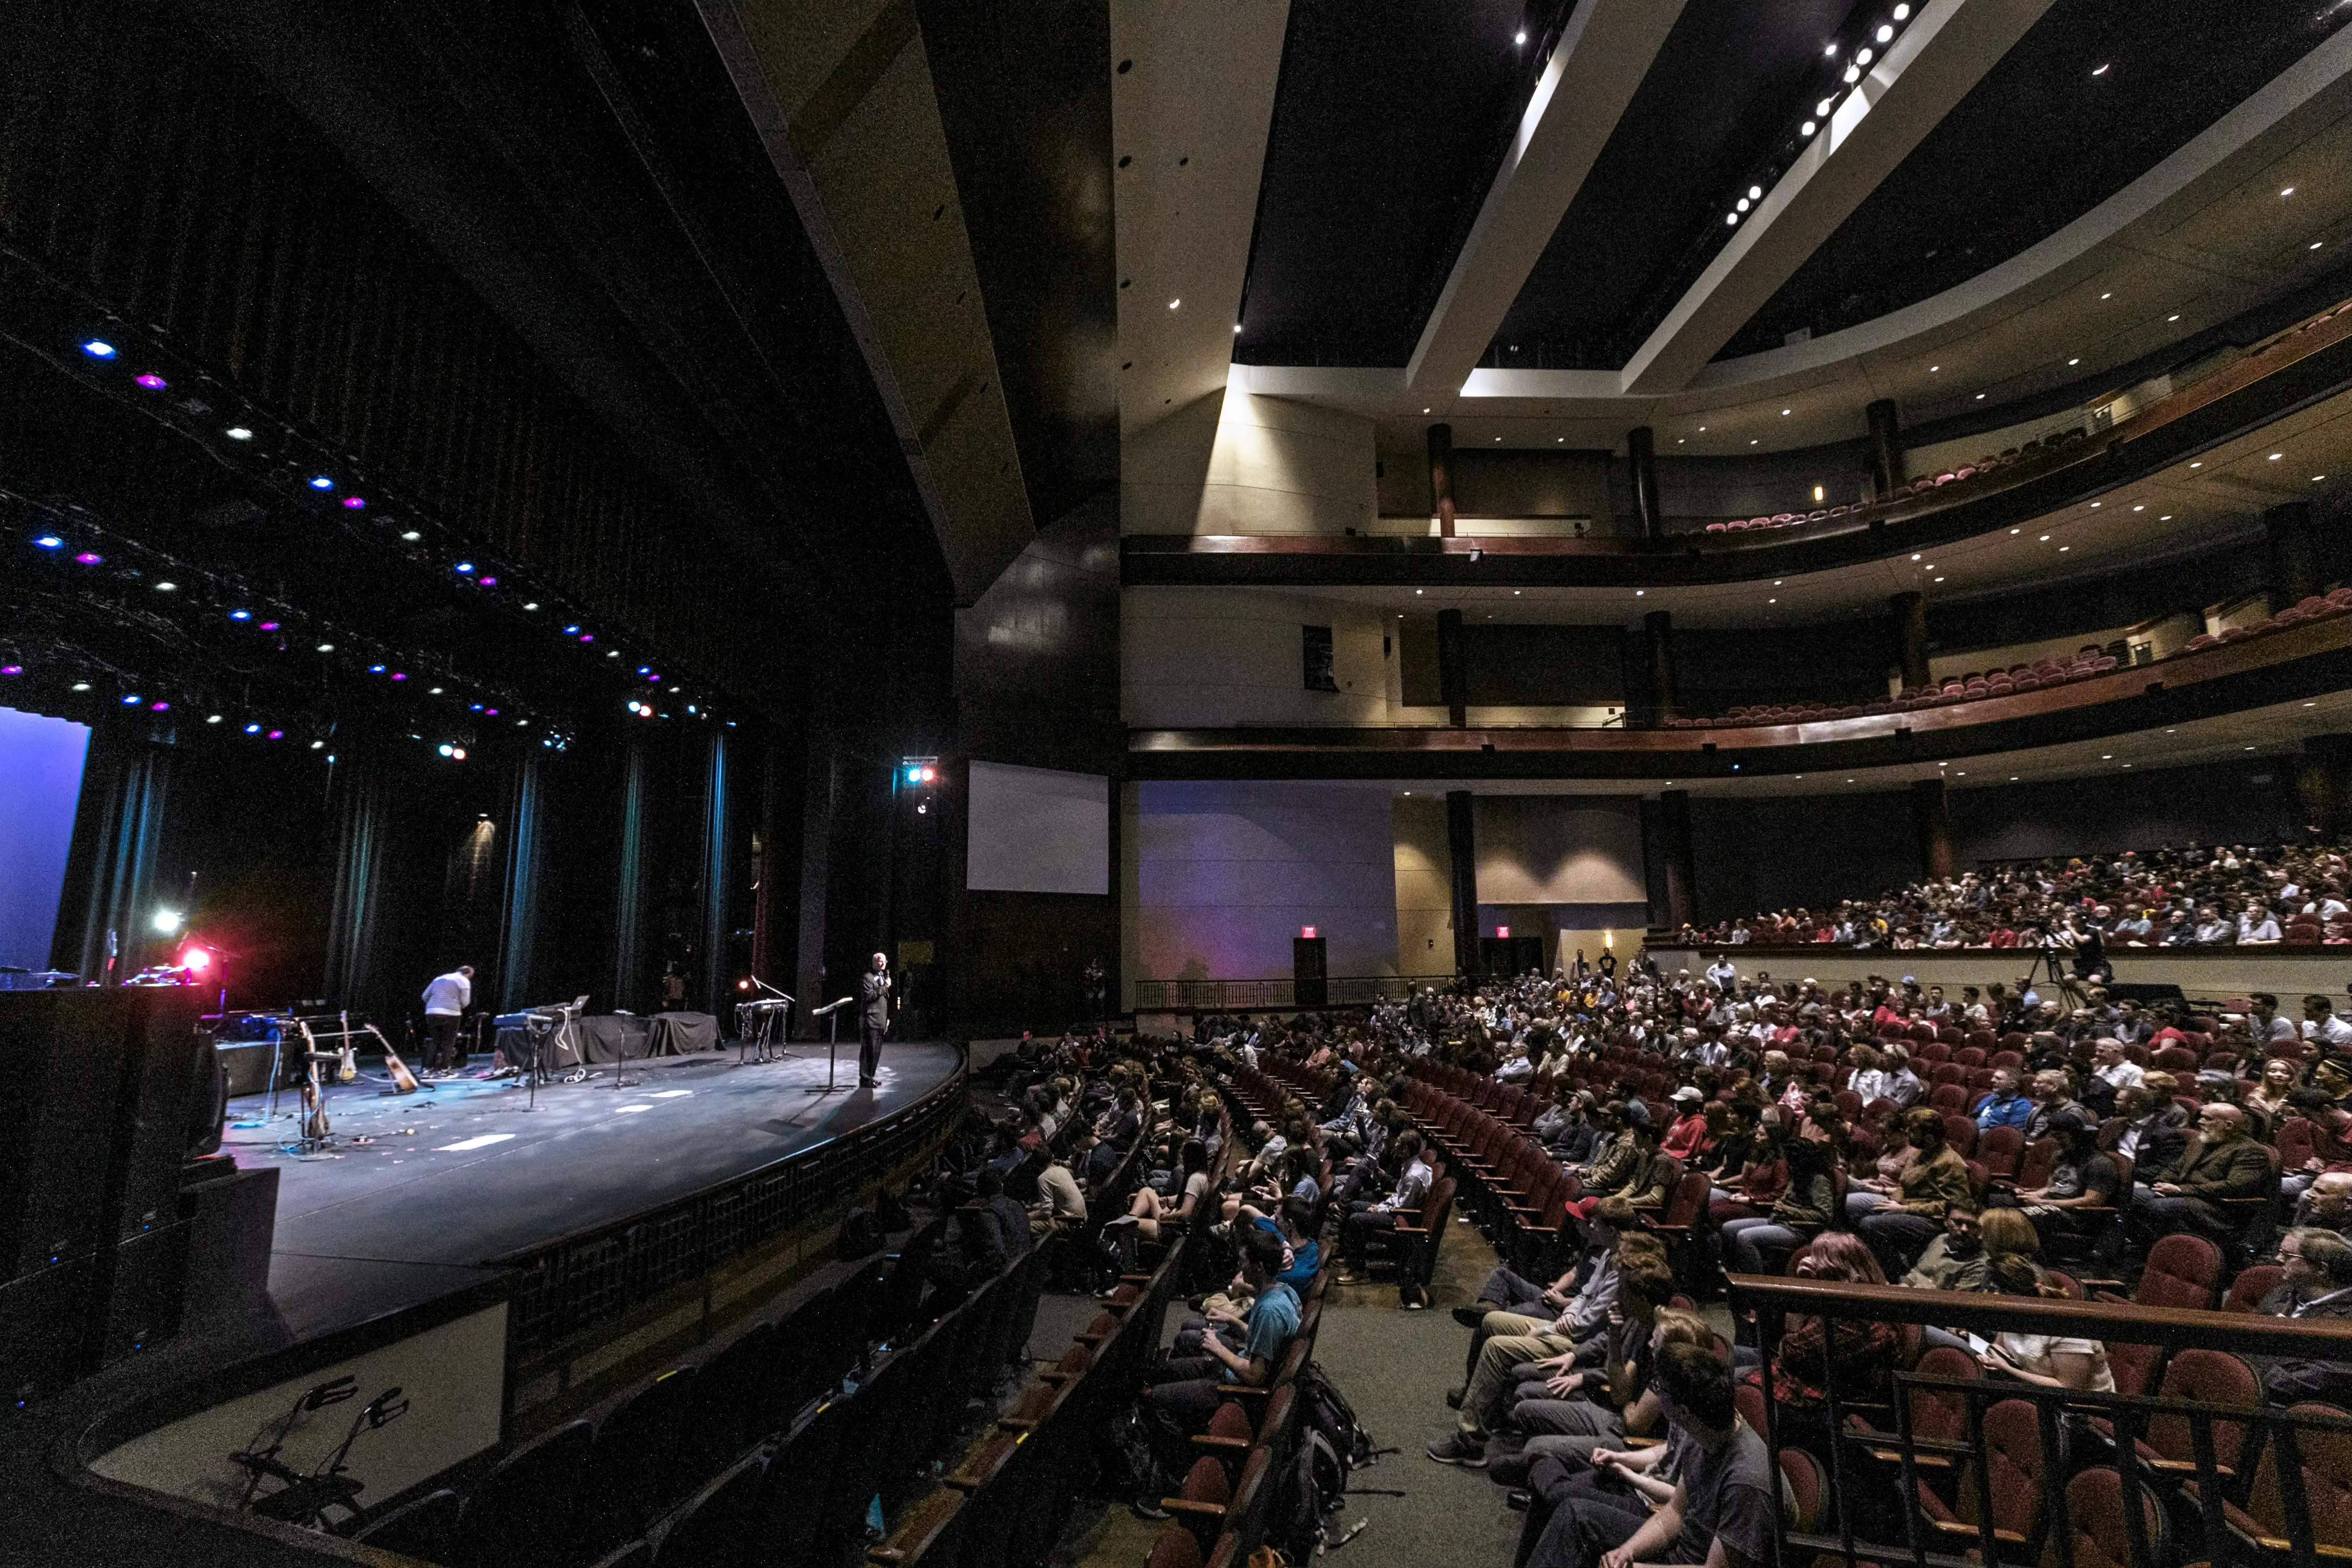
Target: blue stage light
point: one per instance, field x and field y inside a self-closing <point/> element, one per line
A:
<point x="50" y="542"/>
<point x="240" y="615"/>
<point x="321" y="482"/>
<point x="252" y="728"/>
<point x="98" y="348"/>
<point x="570" y="631"/>
<point x="131" y="700"/>
<point x="914" y="776"/>
<point x="465" y="567"/>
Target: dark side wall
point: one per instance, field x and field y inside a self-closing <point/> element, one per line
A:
<point x="1770" y="853"/>
<point x="1036" y="683"/>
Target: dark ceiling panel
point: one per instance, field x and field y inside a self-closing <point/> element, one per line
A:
<point x="1389" y="124"/>
<point x="2039" y="142"/>
<point x="1726" y="85"/>
<point x="1024" y="96"/>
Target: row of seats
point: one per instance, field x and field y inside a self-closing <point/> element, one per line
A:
<point x="1925" y="484"/>
<point x="1976" y="685"/>
<point x="1008" y="1497"/>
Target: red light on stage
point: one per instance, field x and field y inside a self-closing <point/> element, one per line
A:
<point x="195" y="960"/>
<point x="1502" y="930"/>
<point x="931" y="775"/>
<point x="1308" y="933"/>
<point x="742" y="986"/>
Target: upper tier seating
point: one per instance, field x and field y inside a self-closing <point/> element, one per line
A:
<point x="2032" y="677"/>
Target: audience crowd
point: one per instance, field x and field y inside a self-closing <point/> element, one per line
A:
<point x="2238" y="896"/>
<point x="1870" y="1131"/>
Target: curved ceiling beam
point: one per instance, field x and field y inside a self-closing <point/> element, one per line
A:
<point x="1600" y="60"/>
<point x="1905" y="94"/>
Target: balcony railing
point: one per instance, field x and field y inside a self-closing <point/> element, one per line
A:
<point x="2257" y="1509"/>
<point x="1261" y="996"/>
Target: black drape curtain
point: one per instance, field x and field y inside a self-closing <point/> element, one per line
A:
<point x="520" y="939"/>
<point x="362" y="829"/>
<point x="628" y="935"/>
<point x="714" y="876"/>
<point x="104" y="927"/>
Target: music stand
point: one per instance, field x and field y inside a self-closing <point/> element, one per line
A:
<point x="831" y="1013"/>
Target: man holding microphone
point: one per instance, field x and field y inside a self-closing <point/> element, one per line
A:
<point x="872" y="1019"/>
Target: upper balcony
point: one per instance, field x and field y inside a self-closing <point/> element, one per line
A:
<point x="2112" y="446"/>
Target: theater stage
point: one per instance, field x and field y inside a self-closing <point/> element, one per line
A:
<point x="462" y="1171"/>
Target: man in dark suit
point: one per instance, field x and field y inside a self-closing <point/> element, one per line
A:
<point x="2317" y="1284"/>
<point x="2219" y="1162"/>
<point x="872" y="1019"/>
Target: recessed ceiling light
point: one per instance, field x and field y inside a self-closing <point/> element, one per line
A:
<point x="2107" y="756"/>
<point x="2012" y="778"/>
<point x="1520" y="37"/>
<point x="1751" y="440"/>
<point x="1424" y="411"/>
<point x="1934" y="368"/>
<point x="2311" y="704"/>
<point x="2107" y="296"/>
<point x="412" y="536"/>
<point x="1776" y="582"/>
<point x="1940" y="579"/>
<point x="1829" y="51"/>
<point x="1915" y="558"/>
<point x="1808" y="127"/>
<point x="1561" y="439"/>
<point x="1702" y="429"/>
<point x="2165" y="518"/>
<point x="2172" y="317"/>
<point x="1885" y="33"/>
<point x="238" y="433"/>
<point x="2063" y="548"/>
<point x="1514" y="593"/>
<point x="1682" y="440"/>
<point x="2250" y="748"/>
<point x="1772" y="601"/>
<point x="2045" y="539"/>
<point x="1639" y="592"/>
<point x="1979" y="397"/>
<point x="2288" y="191"/>
<point x="2277" y="455"/>
<point x="2097" y="504"/>
<point x="2098" y="70"/>
<point x="2315" y="244"/>
<point x="1784" y="413"/>
<point x="1173" y="303"/>
<point x="2316" y="478"/>
<point x="2073" y="361"/>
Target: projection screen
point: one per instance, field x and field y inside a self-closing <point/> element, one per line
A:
<point x="1038" y="830"/>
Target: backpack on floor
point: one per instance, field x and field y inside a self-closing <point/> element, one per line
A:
<point x="1324" y="1411"/>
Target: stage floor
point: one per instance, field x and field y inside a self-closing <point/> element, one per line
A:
<point x="461" y="1172"/>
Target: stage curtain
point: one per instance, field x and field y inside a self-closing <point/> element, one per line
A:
<point x="628" y="937"/>
<point x="714" y="876"/>
<point x="133" y="770"/>
<point x="360" y="844"/>
<point x="520" y="937"/>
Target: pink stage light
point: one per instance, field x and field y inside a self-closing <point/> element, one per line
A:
<point x="195" y="960"/>
<point x="355" y="502"/>
<point x="151" y="381"/>
<point x="12" y="669"/>
<point x="89" y="558"/>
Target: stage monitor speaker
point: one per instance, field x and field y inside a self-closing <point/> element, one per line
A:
<point x="44" y="1330"/>
<point x="231" y="1219"/>
<point x="247" y="1062"/>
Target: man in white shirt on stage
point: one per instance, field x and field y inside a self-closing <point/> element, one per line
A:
<point x="446" y="1001"/>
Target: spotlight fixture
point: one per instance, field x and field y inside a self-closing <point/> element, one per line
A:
<point x="1885" y="34"/>
<point x="240" y="615"/>
<point x="532" y="605"/>
<point x="325" y="647"/>
<point x="411" y="537"/>
<point x="1825" y="106"/>
<point x="1903" y="13"/>
<point x="12" y="669"/>
<point x="1173" y="303"/>
<point x="167" y="922"/>
<point x="49" y="541"/>
<point x="98" y="348"/>
<point x="90" y="558"/>
<point x="237" y="433"/>
<point x="151" y="381"/>
<point x="167" y="587"/>
<point x="82" y="686"/>
<point x="1520" y="37"/>
<point x="465" y="567"/>
<point x="252" y="728"/>
<point x="1755" y="193"/>
<point x="2099" y="70"/>
<point x="321" y="482"/>
<point x="354" y="503"/>
<point x="1863" y="56"/>
<point x="1808" y="127"/>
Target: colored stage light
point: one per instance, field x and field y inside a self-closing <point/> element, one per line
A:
<point x="167" y="921"/>
<point x="321" y="482"/>
<point x="195" y="960"/>
<point x="237" y="433"/>
<point x="240" y="615"/>
<point x="50" y="542"/>
<point x="281" y="734"/>
<point x="12" y="669"/>
<point x="465" y="567"/>
<point x="591" y="637"/>
<point x="130" y="699"/>
<point x="931" y="775"/>
<point x="444" y="747"/>
<point x="570" y="631"/>
<point x="396" y="675"/>
<point x="742" y="986"/>
<point x="375" y="669"/>
<point x="252" y="728"/>
<point x="489" y="581"/>
<point x="160" y="707"/>
<point x="151" y="381"/>
<point x="491" y="712"/>
<point x="355" y="502"/>
<point x="89" y="558"/>
<point x="457" y="753"/>
<point x="914" y="776"/>
<point x="269" y="625"/>
<point x="98" y="348"/>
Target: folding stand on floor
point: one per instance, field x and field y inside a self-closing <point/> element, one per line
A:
<point x="831" y="1013"/>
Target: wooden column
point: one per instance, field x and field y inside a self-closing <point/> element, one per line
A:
<point x="1441" y="477"/>
<point x="1911" y="636"/>
<point x="1931" y="817"/>
<point x="1886" y="447"/>
<point x="1462" y="854"/>
<point x="1642" y="456"/>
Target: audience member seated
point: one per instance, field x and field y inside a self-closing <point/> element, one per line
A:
<point x="2051" y="1361"/>
<point x="1182" y="1392"/>
<point x="1899" y="1228"/>
<point x="1365" y="1220"/>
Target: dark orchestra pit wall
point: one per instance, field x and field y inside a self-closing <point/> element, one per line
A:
<point x="1754" y="855"/>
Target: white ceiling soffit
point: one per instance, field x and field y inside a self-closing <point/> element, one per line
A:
<point x="841" y="94"/>
<point x="1905" y="95"/>
<point x="1603" y="57"/>
<point x="1189" y="123"/>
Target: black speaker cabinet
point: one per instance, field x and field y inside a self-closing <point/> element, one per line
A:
<point x="97" y="1086"/>
<point x="141" y="1282"/>
<point x="45" y="1321"/>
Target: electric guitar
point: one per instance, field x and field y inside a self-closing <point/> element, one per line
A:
<point x="347" y="1070"/>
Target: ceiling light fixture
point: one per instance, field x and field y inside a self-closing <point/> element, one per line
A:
<point x="2099" y="70"/>
<point x="2288" y="191"/>
<point x="1520" y="37"/>
<point x="1808" y="127"/>
<point x="1173" y="303"/>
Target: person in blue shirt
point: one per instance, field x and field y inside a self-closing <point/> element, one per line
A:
<point x="2007" y="1108"/>
<point x="1184" y="1395"/>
